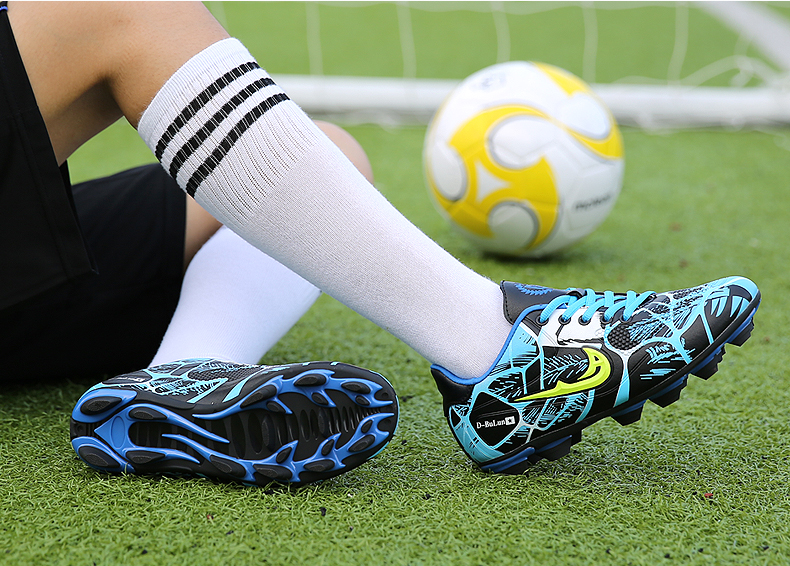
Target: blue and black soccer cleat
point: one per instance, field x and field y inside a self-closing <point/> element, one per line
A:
<point x="577" y="356"/>
<point x="296" y="423"/>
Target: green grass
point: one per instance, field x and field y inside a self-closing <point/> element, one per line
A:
<point x="695" y="206"/>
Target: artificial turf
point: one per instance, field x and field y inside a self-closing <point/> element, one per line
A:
<point x="704" y="481"/>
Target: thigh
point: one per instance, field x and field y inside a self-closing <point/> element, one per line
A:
<point x="91" y="62"/>
<point x="112" y="321"/>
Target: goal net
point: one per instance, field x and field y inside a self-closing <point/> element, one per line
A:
<point x="656" y="65"/>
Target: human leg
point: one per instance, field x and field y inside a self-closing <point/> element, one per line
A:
<point x="662" y="356"/>
<point x="236" y="302"/>
<point x="304" y="204"/>
<point x="200" y="225"/>
<point x="351" y="411"/>
<point x="258" y="173"/>
<point x="322" y="220"/>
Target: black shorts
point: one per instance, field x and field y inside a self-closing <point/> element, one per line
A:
<point x="112" y="321"/>
<point x="40" y="241"/>
<point x="89" y="276"/>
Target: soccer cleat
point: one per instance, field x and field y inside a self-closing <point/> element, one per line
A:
<point x="577" y="356"/>
<point x="295" y="423"/>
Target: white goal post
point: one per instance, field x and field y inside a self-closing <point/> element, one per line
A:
<point x="413" y="101"/>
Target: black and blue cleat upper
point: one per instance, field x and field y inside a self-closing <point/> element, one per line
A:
<point x="296" y="423"/>
<point x="576" y="356"/>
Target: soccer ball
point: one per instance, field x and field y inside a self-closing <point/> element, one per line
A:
<point x="523" y="159"/>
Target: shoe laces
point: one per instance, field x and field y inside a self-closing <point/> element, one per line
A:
<point x="593" y="302"/>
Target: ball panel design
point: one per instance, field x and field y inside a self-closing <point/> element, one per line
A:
<point x="584" y="114"/>
<point x="523" y="159"/>
<point x="521" y="141"/>
<point x="446" y="168"/>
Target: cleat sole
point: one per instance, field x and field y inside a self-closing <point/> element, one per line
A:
<point x="227" y="466"/>
<point x="296" y="424"/>
<point x="311" y="380"/>
<point x="356" y="387"/>
<point x="320" y="466"/>
<point x="363" y="443"/>
<point x="144" y="456"/>
<point x="146" y="414"/>
<point x="283" y="454"/>
<point x="265" y="474"/>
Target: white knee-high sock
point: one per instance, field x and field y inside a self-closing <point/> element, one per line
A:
<point x="235" y="141"/>
<point x="236" y="303"/>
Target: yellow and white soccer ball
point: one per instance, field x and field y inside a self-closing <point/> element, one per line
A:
<point x="523" y="159"/>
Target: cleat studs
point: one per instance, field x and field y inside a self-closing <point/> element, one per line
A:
<point x="265" y="392"/>
<point x="558" y="449"/>
<point x="146" y="414"/>
<point x="96" y="457"/>
<point x="319" y="466"/>
<point x="360" y="400"/>
<point x="383" y="395"/>
<point x="327" y="447"/>
<point x="363" y="443"/>
<point x="311" y="380"/>
<point x="743" y="335"/>
<point x="99" y="404"/>
<point x="268" y="473"/>
<point x="283" y="454"/>
<point x="707" y="370"/>
<point x="144" y="456"/>
<point x="77" y="429"/>
<point x="629" y="416"/>
<point x="366" y="427"/>
<point x="275" y="407"/>
<point x="228" y="466"/>
<point x="356" y="387"/>
<point x="666" y="398"/>
<point x="319" y="399"/>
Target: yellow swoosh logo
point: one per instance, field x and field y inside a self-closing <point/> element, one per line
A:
<point x="597" y="372"/>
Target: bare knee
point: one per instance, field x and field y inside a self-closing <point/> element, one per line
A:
<point x="89" y="63"/>
<point x="200" y="226"/>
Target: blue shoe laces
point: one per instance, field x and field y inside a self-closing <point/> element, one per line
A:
<point x="593" y="302"/>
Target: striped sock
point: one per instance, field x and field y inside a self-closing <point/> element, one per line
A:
<point x="234" y="141"/>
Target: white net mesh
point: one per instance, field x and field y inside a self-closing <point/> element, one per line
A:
<point x="748" y="87"/>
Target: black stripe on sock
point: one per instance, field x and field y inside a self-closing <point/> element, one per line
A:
<point x="226" y="144"/>
<point x="203" y="133"/>
<point x="199" y="102"/>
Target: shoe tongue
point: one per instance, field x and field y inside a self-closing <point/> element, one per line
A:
<point x="518" y="297"/>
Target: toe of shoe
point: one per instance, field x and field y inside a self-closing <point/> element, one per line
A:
<point x="728" y="303"/>
<point x="730" y="298"/>
<point x="738" y="286"/>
